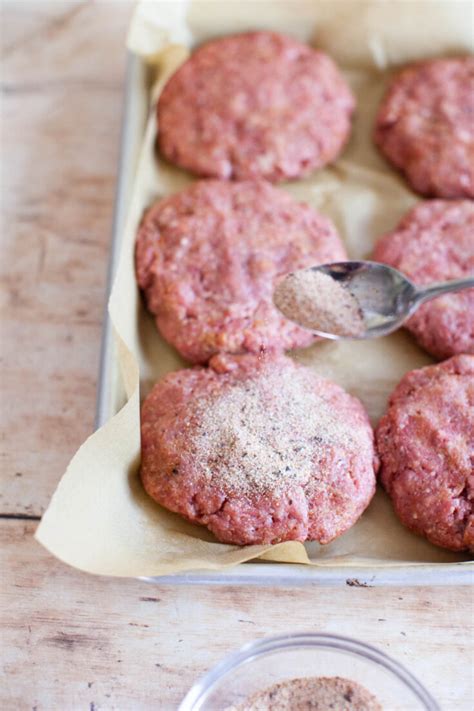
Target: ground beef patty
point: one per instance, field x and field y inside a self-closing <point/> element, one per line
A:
<point x="435" y="242"/>
<point x="425" y="126"/>
<point x="426" y="446"/>
<point x="311" y="694"/>
<point x="258" y="449"/>
<point x="208" y="259"/>
<point x="254" y="105"/>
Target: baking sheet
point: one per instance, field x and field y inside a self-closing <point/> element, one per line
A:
<point x="99" y="519"/>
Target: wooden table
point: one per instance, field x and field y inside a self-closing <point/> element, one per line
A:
<point x="72" y="641"/>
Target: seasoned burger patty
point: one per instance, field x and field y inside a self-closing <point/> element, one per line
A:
<point x="426" y="446"/>
<point x="208" y="258"/>
<point x="258" y="449"/>
<point x="254" y="105"/>
<point x="425" y="126"/>
<point x="435" y="242"/>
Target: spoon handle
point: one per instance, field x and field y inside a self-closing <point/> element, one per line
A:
<point x="446" y="287"/>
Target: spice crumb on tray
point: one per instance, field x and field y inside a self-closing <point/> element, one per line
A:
<point x="318" y="302"/>
<point x="311" y="694"/>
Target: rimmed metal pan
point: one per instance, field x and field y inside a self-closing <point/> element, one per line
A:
<point x="136" y="102"/>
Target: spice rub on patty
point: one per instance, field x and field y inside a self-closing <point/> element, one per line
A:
<point x="252" y="105"/>
<point x="259" y="450"/>
<point x="426" y="446"/>
<point x="208" y="258"/>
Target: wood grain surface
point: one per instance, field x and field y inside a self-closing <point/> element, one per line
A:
<point x="80" y="642"/>
<point x="62" y="81"/>
<point x="72" y="641"/>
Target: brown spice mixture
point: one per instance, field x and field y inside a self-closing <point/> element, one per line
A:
<point x="251" y="450"/>
<point x="311" y="694"/>
<point x="316" y="301"/>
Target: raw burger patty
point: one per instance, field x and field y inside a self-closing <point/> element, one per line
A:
<point x="312" y="694"/>
<point x="254" y="105"/>
<point x="426" y="446"/>
<point x="425" y="126"/>
<point x="435" y="242"/>
<point x="258" y="449"/>
<point x="208" y="258"/>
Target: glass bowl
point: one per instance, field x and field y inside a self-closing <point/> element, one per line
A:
<point x="258" y="665"/>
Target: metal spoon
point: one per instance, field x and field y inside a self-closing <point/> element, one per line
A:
<point x="384" y="296"/>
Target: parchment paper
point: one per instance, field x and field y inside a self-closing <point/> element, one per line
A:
<point x="100" y="519"/>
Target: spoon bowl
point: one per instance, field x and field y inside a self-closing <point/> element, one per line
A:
<point x="384" y="297"/>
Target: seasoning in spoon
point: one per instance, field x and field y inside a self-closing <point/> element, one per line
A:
<point x="318" y="302"/>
